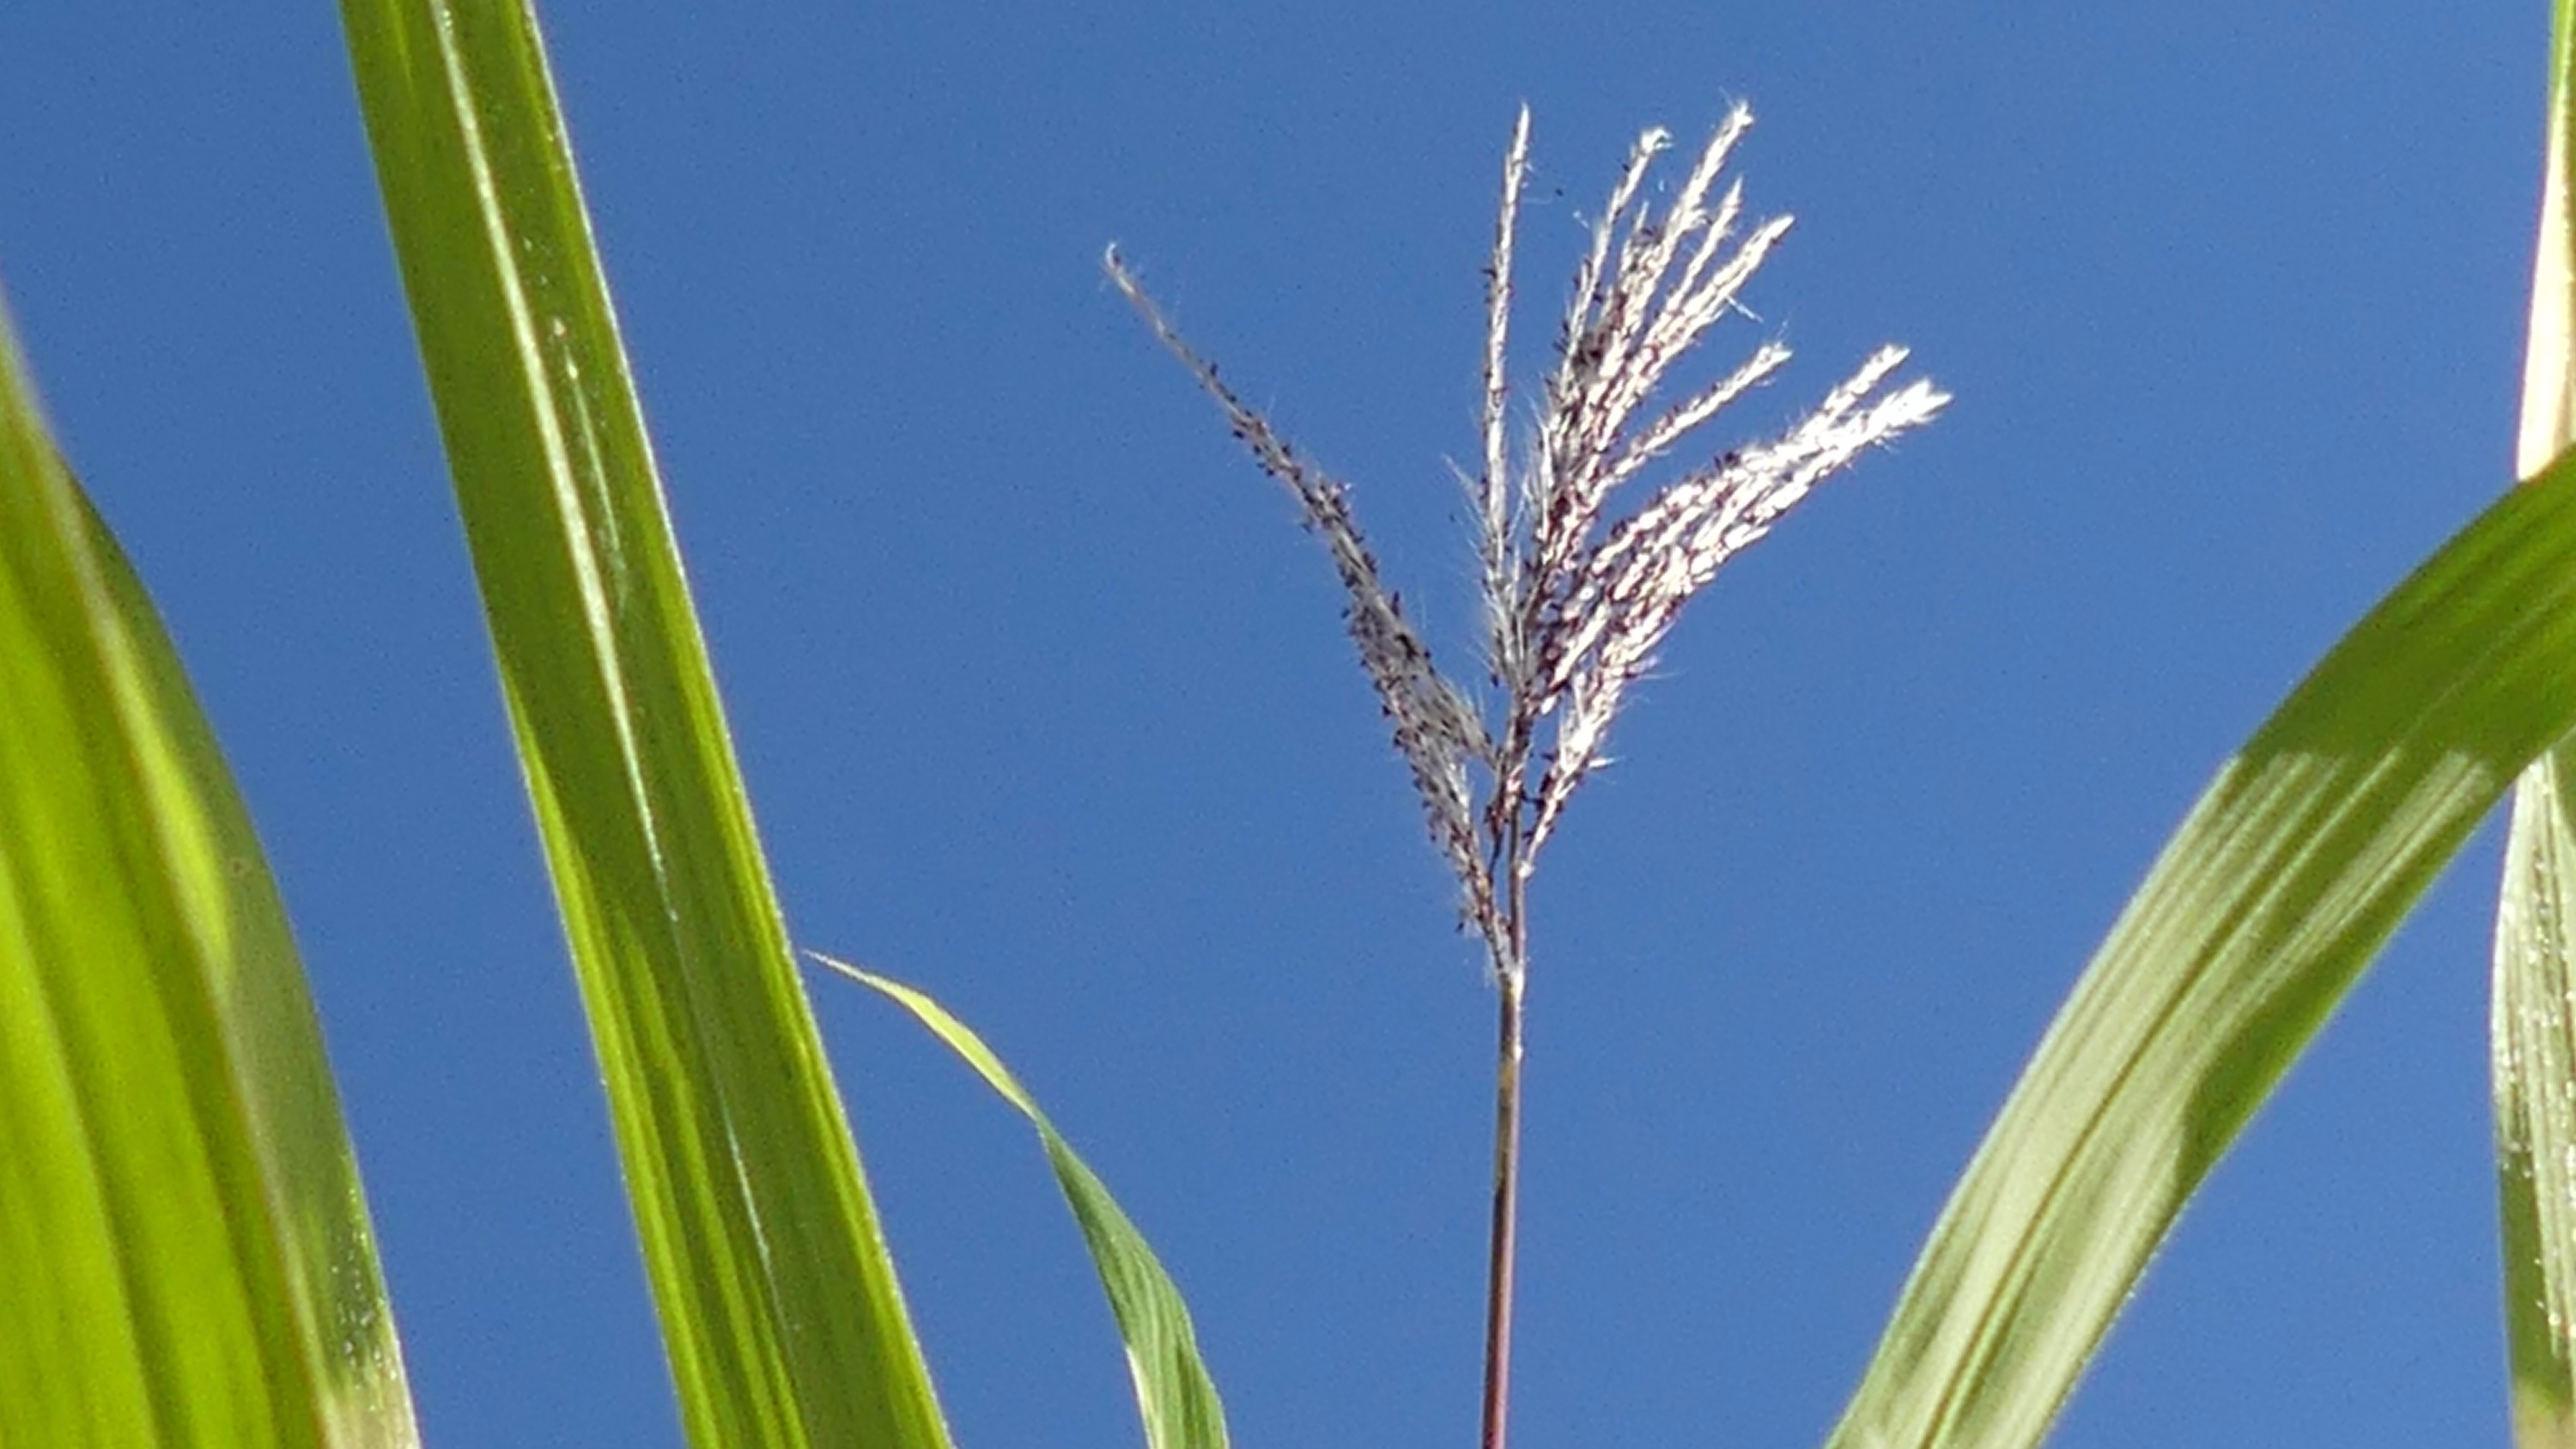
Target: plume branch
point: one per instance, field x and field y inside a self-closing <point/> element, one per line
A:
<point x="1436" y="729"/>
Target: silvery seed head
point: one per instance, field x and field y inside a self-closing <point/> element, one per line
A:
<point x="1577" y="597"/>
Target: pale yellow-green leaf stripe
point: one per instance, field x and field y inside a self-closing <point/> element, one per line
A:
<point x="1174" y="1394"/>
<point x="2287" y="876"/>
<point x="184" y="1252"/>
<point x="778" y="1300"/>
<point x="2534" y="1047"/>
<point x="2532" y="1032"/>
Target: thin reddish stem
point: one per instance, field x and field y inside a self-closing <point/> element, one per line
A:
<point x="1512" y="977"/>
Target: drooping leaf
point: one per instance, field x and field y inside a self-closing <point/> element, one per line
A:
<point x="778" y="1299"/>
<point x="185" y="1258"/>
<point x="1174" y="1394"/>
<point x="2288" y="875"/>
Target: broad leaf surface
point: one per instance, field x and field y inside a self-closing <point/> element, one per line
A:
<point x="2292" y="869"/>
<point x="185" y="1258"/>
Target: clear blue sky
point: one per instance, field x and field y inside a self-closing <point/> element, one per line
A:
<point x="1045" y="706"/>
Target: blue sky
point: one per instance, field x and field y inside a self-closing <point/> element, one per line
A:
<point x="1045" y="706"/>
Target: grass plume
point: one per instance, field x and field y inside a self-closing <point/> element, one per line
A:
<point x="1577" y="599"/>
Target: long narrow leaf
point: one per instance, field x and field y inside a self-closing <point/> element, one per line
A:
<point x="2532" y="1013"/>
<point x="1174" y="1394"/>
<point x="185" y="1258"/>
<point x="2288" y="875"/>
<point x="779" y="1304"/>
<point x="2534" y="1039"/>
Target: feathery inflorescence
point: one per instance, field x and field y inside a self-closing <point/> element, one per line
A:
<point x="1577" y="603"/>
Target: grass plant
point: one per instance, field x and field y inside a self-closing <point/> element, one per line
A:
<point x="185" y="1252"/>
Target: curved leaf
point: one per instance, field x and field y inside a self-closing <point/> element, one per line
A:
<point x="2293" y="868"/>
<point x="184" y="1250"/>
<point x="1174" y="1395"/>
<point x="778" y="1299"/>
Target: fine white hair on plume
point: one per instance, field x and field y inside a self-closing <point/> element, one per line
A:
<point x="1575" y="605"/>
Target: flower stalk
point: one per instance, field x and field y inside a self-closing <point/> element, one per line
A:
<point x="1576" y="604"/>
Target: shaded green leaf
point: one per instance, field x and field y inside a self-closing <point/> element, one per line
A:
<point x="185" y="1258"/>
<point x="1174" y="1394"/>
<point x="779" y="1304"/>
<point x="2293" y="868"/>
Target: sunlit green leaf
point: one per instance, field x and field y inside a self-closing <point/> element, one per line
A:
<point x="2534" y="1028"/>
<point x="2284" y="881"/>
<point x="779" y="1304"/>
<point x="184" y="1251"/>
<point x="2532" y="1013"/>
<point x="1174" y="1394"/>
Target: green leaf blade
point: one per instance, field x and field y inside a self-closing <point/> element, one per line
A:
<point x="2290" y="872"/>
<point x="780" y="1309"/>
<point x="2533" y="1041"/>
<point x="183" y="1238"/>
<point x="2532" y="1014"/>
<point x="1175" y="1396"/>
